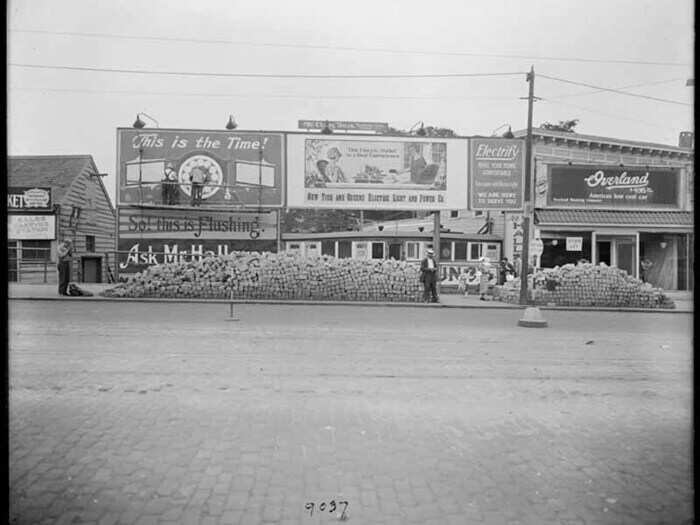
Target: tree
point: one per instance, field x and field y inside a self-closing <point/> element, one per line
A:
<point x="566" y="126"/>
<point x="430" y="131"/>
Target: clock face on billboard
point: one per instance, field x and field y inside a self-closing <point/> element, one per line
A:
<point x="205" y="165"/>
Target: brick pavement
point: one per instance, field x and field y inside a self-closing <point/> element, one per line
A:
<point x="167" y="413"/>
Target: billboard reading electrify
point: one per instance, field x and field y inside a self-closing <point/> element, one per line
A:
<point x="160" y="167"/>
<point x="392" y="173"/>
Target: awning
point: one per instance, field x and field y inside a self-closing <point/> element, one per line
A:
<point x="578" y="217"/>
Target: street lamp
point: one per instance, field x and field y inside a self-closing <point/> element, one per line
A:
<point x="139" y="124"/>
<point x="326" y="129"/>
<point x="231" y="124"/>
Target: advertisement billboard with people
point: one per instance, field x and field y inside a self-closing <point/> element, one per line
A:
<point x="221" y="169"/>
<point x="376" y="172"/>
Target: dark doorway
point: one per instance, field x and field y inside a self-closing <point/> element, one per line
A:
<point x="92" y="270"/>
<point x="603" y="252"/>
<point x="395" y="251"/>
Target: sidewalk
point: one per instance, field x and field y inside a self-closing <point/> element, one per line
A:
<point x="683" y="300"/>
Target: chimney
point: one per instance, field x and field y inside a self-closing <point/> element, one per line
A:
<point x="686" y="140"/>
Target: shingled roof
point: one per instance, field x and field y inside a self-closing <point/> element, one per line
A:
<point x="55" y="171"/>
<point x="669" y="218"/>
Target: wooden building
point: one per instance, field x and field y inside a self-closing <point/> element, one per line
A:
<point x="51" y="198"/>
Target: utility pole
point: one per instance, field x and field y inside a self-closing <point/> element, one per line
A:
<point x="528" y="205"/>
<point x="436" y="247"/>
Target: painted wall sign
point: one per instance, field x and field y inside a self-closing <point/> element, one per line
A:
<point x="136" y="255"/>
<point x="497" y="169"/>
<point x="235" y="169"/>
<point x="612" y="187"/>
<point x="31" y="227"/>
<point x="136" y="223"/>
<point x="376" y="173"/>
<point x="28" y="198"/>
<point x="574" y="244"/>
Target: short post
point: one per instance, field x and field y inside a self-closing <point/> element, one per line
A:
<point x="231" y="316"/>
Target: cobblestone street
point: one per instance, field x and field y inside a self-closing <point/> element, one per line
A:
<point x="150" y="413"/>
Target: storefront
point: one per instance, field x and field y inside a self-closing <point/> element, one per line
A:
<point x="458" y="251"/>
<point x="622" y="203"/>
<point x="51" y="198"/>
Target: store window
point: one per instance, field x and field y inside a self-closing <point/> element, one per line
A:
<point x="475" y="249"/>
<point x="558" y="251"/>
<point x="344" y="249"/>
<point x="412" y="250"/>
<point x="12" y="261"/>
<point x="36" y="250"/>
<point x="460" y="250"/>
<point x="377" y="250"/>
<point x="328" y="248"/>
<point x="446" y="250"/>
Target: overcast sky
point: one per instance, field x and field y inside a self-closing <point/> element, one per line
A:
<point x="647" y="44"/>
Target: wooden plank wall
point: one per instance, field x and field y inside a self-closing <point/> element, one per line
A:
<point x="97" y="218"/>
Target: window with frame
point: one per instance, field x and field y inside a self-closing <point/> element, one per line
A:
<point x="89" y="243"/>
<point x="377" y="250"/>
<point x="454" y="214"/>
<point x="328" y="248"/>
<point x="475" y="249"/>
<point x="446" y="250"/>
<point x="36" y="250"/>
<point x="460" y="250"/>
<point x="412" y="250"/>
<point x="344" y="249"/>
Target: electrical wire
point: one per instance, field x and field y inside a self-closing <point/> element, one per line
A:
<point x="612" y="90"/>
<point x="354" y="49"/>
<point x="254" y="95"/>
<point x="629" y="86"/>
<point x="258" y="75"/>
<point x="602" y="113"/>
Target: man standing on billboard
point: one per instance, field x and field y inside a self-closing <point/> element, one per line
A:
<point x="197" y="178"/>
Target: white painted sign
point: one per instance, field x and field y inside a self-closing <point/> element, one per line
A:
<point x="31" y="227"/>
<point x="574" y="244"/>
<point x="537" y="247"/>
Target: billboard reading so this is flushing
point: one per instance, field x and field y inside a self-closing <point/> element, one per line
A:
<point x="221" y="169"/>
<point x="376" y="172"/>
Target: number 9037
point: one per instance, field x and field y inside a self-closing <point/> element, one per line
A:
<point x="331" y="507"/>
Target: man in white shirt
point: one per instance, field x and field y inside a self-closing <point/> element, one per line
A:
<point x="428" y="276"/>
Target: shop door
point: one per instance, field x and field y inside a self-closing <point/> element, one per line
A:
<point x="92" y="270"/>
<point x="603" y="251"/>
<point x="625" y="259"/>
<point x="619" y="251"/>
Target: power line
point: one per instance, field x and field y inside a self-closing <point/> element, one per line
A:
<point x="354" y="49"/>
<point x="629" y="86"/>
<point x="259" y="75"/>
<point x="602" y="113"/>
<point x="618" y="91"/>
<point x="253" y="95"/>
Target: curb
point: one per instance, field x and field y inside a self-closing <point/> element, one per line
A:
<point x="502" y="306"/>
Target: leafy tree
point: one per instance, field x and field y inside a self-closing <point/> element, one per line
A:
<point x="566" y="126"/>
<point x="430" y="131"/>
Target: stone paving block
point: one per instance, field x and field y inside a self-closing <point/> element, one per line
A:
<point x="439" y="429"/>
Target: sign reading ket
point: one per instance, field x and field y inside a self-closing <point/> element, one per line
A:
<point x="32" y="198"/>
